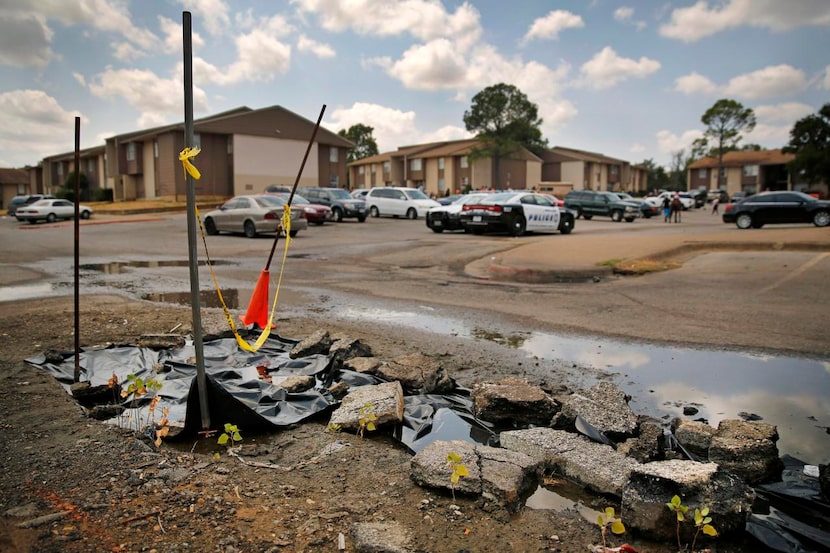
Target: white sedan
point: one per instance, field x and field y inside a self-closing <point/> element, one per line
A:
<point x="51" y="210"/>
<point x="686" y="199"/>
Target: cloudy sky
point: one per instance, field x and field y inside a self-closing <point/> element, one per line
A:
<point x="629" y="78"/>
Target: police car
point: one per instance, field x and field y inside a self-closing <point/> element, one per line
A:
<point x="516" y="213"/>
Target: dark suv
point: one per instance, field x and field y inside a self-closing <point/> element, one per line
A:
<point x="587" y="203"/>
<point x="342" y="205"/>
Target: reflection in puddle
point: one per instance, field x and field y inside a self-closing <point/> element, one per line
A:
<point x="207" y="298"/>
<point x="117" y="267"/>
<point x="563" y="495"/>
<point x="789" y="392"/>
<point x="25" y="292"/>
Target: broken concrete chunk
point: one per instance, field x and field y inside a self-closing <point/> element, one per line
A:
<point x="513" y="399"/>
<point x="385" y="401"/>
<point x="645" y="447"/>
<point x="693" y="435"/>
<point x="501" y="477"/>
<point x="596" y="466"/>
<point x="317" y="342"/>
<point x="161" y="341"/>
<point x="417" y="373"/>
<point x="380" y="537"/>
<point x="652" y="485"/>
<point x="349" y="348"/>
<point x="748" y="449"/>
<point x="368" y="365"/>
<point x="605" y="407"/>
<point x="339" y="390"/>
<point x="295" y="383"/>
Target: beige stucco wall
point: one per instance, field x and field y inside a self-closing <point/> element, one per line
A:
<point x="431" y="176"/>
<point x="534" y="174"/>
<point x="149" y="170"/>
<point x="574" y="172"/>
<point x="481" y="173"/>
<point x="259" y="161"/>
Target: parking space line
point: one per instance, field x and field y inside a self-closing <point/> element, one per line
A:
<point x="796" y="272"/>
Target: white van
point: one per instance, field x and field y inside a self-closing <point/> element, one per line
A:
<point x="398" y="202"/>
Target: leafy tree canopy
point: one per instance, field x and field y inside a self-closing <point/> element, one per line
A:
<point x="658" y="179"/>
<point x="725" y="122"/>
<point x="504" y="119"/>
<point x="363" y="139"/>
<point x="810" y="142"/>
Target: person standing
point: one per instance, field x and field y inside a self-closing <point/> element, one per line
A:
<point x="666" y="209"/>
<point x="676" y="207"/>
<point x="715" y="204"/>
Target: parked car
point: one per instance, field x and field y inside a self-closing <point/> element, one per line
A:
<point x="737" y="197"/>
<point x="278" y="189"/>
<point x="26" y="199"/>
<point x="769" y="208"/>
<point x="722" y="196"/>
<point x="686" y="199"/>
<point x="252" y="215"/>
<point x="359" y="193"/>
<point x="398" y="202"/>
<point x="314" y="213"/>
<point x="515" y="213"/>
<point x="699" y="197"/>
<point x="50" y="210"/>
<point x="447" y="200"/>
<point x="341" y="203"/>
<point x="554" y="200"/>
<point x="587" y="203"/>
<point x="448" y="217"/>
<point x="647" y="210"/>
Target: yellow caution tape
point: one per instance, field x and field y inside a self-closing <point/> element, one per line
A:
<point x="189" y="168"/>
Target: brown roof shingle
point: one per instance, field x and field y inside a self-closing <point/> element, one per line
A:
<point x="14" y="176"/>
<point x="747" y="157"/>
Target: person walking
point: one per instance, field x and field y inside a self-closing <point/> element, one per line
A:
<point x="715" y="204"/>
<point x="676" y="207"/>
<point x="666" y="209"/>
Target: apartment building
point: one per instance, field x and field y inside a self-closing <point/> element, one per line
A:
<point x="565" y="169"/>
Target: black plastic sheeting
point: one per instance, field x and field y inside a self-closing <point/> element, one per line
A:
<point x="238" y="394"/>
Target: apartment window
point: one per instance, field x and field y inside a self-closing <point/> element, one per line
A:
<point x="230" y="145"/>
<point x="155" y="148"/>
<point x="441" y="184"/>
<point x="415" y="164"/>
<point x="131" y="151"/>
<point x="614" y="170"/>
<point x="333" y="155"/>
<point x="334" y="180"/>
<point x="90" y="165"/>
<point x="21" y="189"/>
<point x="750" y="170"/>
<point x="197" y="140"/>
<point x="463" y="162"/>
<point x="440" y="163"/>
<point x="701" y="173"/>
<point x="723" y="172"/>
<point x="60" y="169"/>
<point x="360" y="170"/>
<point x="387" y="166"/>
<point x="374" y="168"/>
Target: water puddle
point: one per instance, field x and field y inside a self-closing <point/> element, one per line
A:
<point x="560" y="495"/>
<point x="118" y="267"/>
<point x="789" y="392"/>
<point x="26" y="291"/>
<point x="207" y="298"/>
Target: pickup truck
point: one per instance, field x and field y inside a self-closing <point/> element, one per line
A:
<point x="587" y="203"/>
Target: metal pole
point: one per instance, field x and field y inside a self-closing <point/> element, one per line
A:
<point x="201" y="379"/>
<point x="77" y="373"/>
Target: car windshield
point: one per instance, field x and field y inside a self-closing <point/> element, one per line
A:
<point x="496" y="198"/>
<point x="340" y="194"/>
<point x="270" y="201"/>
<point x="624" y="196"/>
<point x="469" y="198"/>
<point x="297" y="198"/>
<point x="415" y="194"/>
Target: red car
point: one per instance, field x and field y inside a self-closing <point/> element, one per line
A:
<point x="554" y="200"/>
<point x="315" y="213"/>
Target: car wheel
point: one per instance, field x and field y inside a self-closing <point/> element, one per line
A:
<point x="250" y="229"/>
<point x="821" y="218"/>
<point x="587" y="217"/>
<point x="566" y="225"/>
<point x="518" y="226"/>
<point x="50" y="218"/>
<point x="744" y="221"/>
<point x="210" y="227"/>
<point x="437" y="230"/>
<point x="293" y="233"/>
<point x="476" y="230"/>
<point x="411" y="213"/>
<point x="361" y="219"/>
<point x="616" y="216"/>
<point x="373" y="211"/>
<point x="629" y="219"/>
<point x="337" y="214"/>
<point x="84" y="214"/>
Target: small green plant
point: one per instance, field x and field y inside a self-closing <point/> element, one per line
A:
<point x="458" y="468"/>
<point x="367" y="419"/>
<point x="139" y="387"/>
<point x="334" y="428"/>
<point x="231" y="434"/>
<point x="607" y="520"/>
<point x="701" y="520"/>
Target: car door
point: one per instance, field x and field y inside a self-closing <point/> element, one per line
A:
<point x="792" y="208"/>
<point x="545" y="214"/>
<point x="397" y="202"/>
<point x="63" y="209"/>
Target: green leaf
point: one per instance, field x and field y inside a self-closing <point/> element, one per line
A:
<point x="704" y="511"/>
<point x="461" y="470"/>
<point x="600" y="521"/>
<point x="675" y="501"/>
<point x="237" y="437"/>
<point x="609" y="512"/>
<point x="453" y="457"/>
<point x="223" y="439"/>
<point x="618" y="527"/>
<point x="709" y="530"/>
<point x="370" y="426"/>
<point x="680" y="516"/>
<point x="454" y="477"/>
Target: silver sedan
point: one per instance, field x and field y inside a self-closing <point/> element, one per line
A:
<point x="51" y="210"/>
<point x="253" y="215"/>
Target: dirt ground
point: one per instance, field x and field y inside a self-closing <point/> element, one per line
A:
<point x="112" y="492"/>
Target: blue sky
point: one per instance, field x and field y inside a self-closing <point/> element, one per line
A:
<point x="630" y="79"/>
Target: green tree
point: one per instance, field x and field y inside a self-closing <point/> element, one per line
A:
<point x="361" y="136"/>
<point x="679" y="169"/>
<point x="657" y="177"/>
<point x="68" y="190"/>
<point x="810" y="142"/>
<point x="725" y="122"/>
<point x="504" y="120"/>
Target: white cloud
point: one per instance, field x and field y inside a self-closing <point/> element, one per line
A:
<point x="105" y="15"/>
<point x="305" y="44"/>
<point x="552" y="24"/>
<point x="25" y="40"/>
<point x="34" y="125"/>
<point x="637" y="148"/>
<point x="695" y="22"/>
<point x="79" y="78"/>
<point x="173" y="36"/>
<point x="769" y="82"/>
<point x="668" y="142"/>
<point x="126" y="52"/>
<point x="446" y="133"/>
<point x="606" y="68"/>
<point x="695" y="83"/>
<point x="423" y="19"/>
<point x="625" y="14"/>
<point x="788" y="112"/>
<point x="392" y="127"/>
<point x="156" y="98"/>
<point x="431" y="66"/>
<point x="214" y="14"/>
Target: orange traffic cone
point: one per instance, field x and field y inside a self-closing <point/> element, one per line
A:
<point x="258" y="308"/>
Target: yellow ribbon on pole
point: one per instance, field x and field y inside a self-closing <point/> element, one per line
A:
<point x="185" y="156"/>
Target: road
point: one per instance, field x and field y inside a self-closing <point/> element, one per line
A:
<point x="772" y="300"/>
